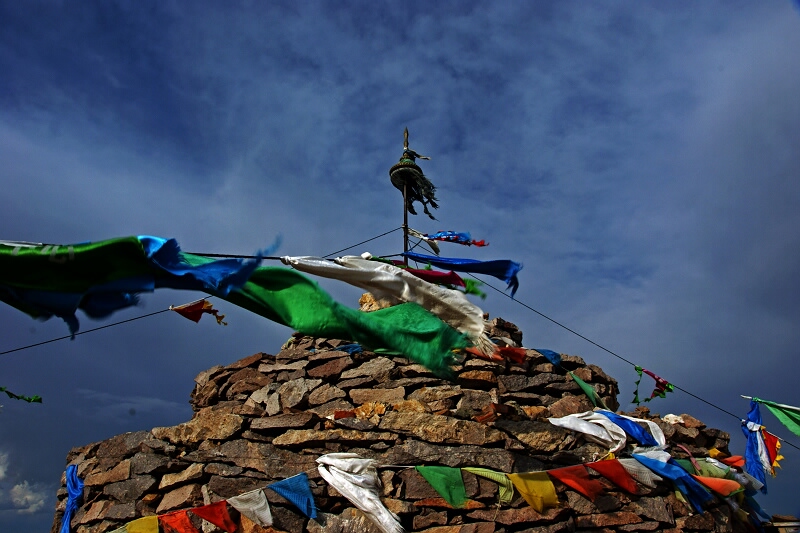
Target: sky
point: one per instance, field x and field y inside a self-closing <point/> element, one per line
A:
<point x="639" y="158"/>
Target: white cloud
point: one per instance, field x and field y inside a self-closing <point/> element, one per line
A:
<point x="27" y="498"/>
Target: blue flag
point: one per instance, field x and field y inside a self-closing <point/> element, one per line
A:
<point x="503" y="269"/>
<point x="296" y="490"/>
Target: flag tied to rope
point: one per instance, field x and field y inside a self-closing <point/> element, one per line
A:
<point x="503" y="269"/>
<point x="661" y="389"/>
<point x="30" y="399"/>
<point x="195" y="310"/>
<point x="454" y="236"/>
<point x="788" y="415"/>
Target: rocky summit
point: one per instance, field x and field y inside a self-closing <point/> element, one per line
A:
<point x="268" y="417"/>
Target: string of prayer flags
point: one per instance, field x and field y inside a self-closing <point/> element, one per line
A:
<point x="631" y="427"/>
<point x="537" y="489"/>
<point x="689" y="487"/>
<point x="447" y="482"/>
<point x="578" y="478"/>
<point x="253" y="505"/>
<point x="195" y="310"/>
<point x="662" y="386"/>
<point x="454" y="236"/>
<point x="589" y="391"/>
<point x="723" y="487"/>
<point x="146" y="524"/>
<point x="296" y="490"/>
<point x="418" y="235"/>
<point x="553" y="357"/>
<point x="596" y="428"/>
<point x="287" y="297"/>
<point x="613" y="471"/>
<point x="787" y="415"/>
<point x="217" y="514"/>
<point x="756" y="458"/>
<point x="505" y="487"/>
<point x="177" y="522"/>
<point x="74" y="496"/>
<point x="357" y="480"/>
<point x="30" y="399"/>
<point x="503" y="269"/>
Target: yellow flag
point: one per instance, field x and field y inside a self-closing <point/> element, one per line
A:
<point x="536" y="488"/>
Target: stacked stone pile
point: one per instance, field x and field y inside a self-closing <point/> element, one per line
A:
<point x="265" y="418"/>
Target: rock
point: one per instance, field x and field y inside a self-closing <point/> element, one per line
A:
<point x="309" y="437"/>
<point x="295" y="392"/>
<point x="430" y="518"/>
<point x="247" y="361"/>
<point x="569" y="405"/>
<point x="228" y="487"/>
<point x="96" y="512"/>
<point x="222" y="469"/>
<point x="608" y="519"/>
<point x="653" y="508"/>
<point x="131" y="489"/>
<point x="146" y="463"/>
<point x="207" y="424"/>
<point x="290" y="420"/>
<point x="120" y="472"/>
<point x="328" y="409"/>
<point x="440" y="429"/>
<point x="194" y="471"/>
<point x="182" y="497"/>
<point x="325" y="393"/>
<point x="698" y="522"/>
<point x="122" y="511"/>
<point x="540" y="437"/>
<point x="361" y="396"/>
<point x="356" y="382"/>
<point x="412" y="406"/>
<point x="378" y="367"/>
<point x="477" y="379"/>
<point x="416" y="452"/>
<point x="526" y="514"/>
<point x="332" y="369"/>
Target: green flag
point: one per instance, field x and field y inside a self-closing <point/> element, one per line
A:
<point x="288" y="297"/>
<point x="589" y="391"/>
<point x="789" y="416"/>
<point x="447" y="482"/>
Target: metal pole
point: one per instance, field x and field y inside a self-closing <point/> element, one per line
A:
<point x="405" y="223"/>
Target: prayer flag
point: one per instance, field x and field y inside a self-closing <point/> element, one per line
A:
<point x="177" y="522"/>
<point x="789" y="416"/>
<point x="689" y="487"/>
<point x="287" y="297"/>
<point x="296" y="490"/>
<point x="661" y="389"/>
<point x="505" y="487"/>
<point x="553" y="357"/>
<point x="773" y="446"/>
<point x="503" y="269"/>
<point x="253" y="505"/>
<point x="30" y="399"/>
<point x="578" y="478"/>
<point x="589" y="391"/>
<point x="596" y="427"/>
<point x="632" y="428"/>
<point x="536" y="488"/>
<point x="74" y="496"/>
<point x="217" y="514"/>
<point x="195" y="310"/>
<point x="147" y="524"/>
<point x="723" y="487"/>
<point x="613" y="471"/>
<point x="756" y="459"/>
<point x="447" y="482"/>
<point x="639" y="472"/>
<point x="454" y="236"/>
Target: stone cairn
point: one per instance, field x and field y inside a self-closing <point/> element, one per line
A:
<point x="265" y="418"/>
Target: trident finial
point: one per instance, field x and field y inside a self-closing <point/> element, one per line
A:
<point x="405" y="139"/>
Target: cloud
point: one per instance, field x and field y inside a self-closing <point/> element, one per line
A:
<point x="27" y="498"/>
<point x="3" y="465"/>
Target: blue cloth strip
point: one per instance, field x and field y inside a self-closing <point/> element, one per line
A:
<point x="503" y="269"/>
<point x="296" y="490"/>
<point x="74" y="496"/>
<point x="689" y="487"/>
<point x="552" y="356"/>
<point x="752" y="460"/>
<point x="633" y="429"/>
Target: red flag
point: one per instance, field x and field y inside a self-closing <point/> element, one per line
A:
<point x="773" y="446"/>
<point x="613" y="471"/>
<point x="437" y="277"/>
<point x="734" y="460"/>
<point x="578" y="478"/>
<point x="177" y="522"/>
<point x="195" y="310"/>
<point x="217" y="514"/>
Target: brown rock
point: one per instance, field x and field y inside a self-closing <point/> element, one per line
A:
<point x="182" y="497"/>
<point x="309" y="437"/>
<point x="122" y="511"/>
<point x="356" y="382"/>
<point x="246" y="361"/>
<point x="432" y="394"/>
<point x="608" y="519"/>
<point x="541" y="437"/>
<point x="477" y="527"/>
<point x="120" y="472"/>
<point x="328" y="409"/>
<point x="207" y="424"/>
<point x="418" y="452"/>
<point x="131" y="489"/>
<point x="331" y="369"/>
<point x="146" y="463"/>
<point x="361" y="396"/>
<point x="290" y="420"/>
<point x="194" y="471"/>
<point x="477" y="379"/>
<point x="653" y="508"/>
<point x="222" y="469"/>
<point x="295" y="392"/>
<point x="440" y="429"/>
<point x="228" y="487"/>
<point x="325" y="393"/>
<point x="691" y="422"/>
<point x="377" y="368"/>
<point x="412" y="406"/>
<point x="441" y="503"/>
<point x="570" y="405"/>
<point x="526" y="514"/>
<point x="96" y="512"/>
<point x="697" y="522"/>
<point x="430" y="518"/>
<point x="644" y="526"/>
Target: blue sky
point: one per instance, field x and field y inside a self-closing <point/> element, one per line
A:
<point x="639" y="158"/>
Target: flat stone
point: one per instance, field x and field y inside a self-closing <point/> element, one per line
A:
<point x="700" y="522"/>
<point x="324" y="356"/>
<point x="349" y="521"/>
<point x="571" y="362"/>
<point x="355" y="382"/>
<point x="228" y="487"/>
<point x="283" y="367"/>
<point x="122" y="511"/>
<point x="203" y="377"/>
<point x="413" y="406"/>
<point x="185" y="496"/>
<point x="120" y="472"/>
<point x="607" y="519"/>
<point x="523" y="515"/>
<point x="477" y="379"/>
<point x="377" y="367"/>
<point x="120" y="446"/>
<point x="541" y="437"/>
<point x="247" y="361"/>
<point x="146" y="463"/>
<point x="130" y="489"/>
<point x="691" y="422"/>
<point x="222" y="469"/>
<point x="328" y="409"/>
<point x="432" y="394"/>
<point x="295" y="392"/>
<point x="441" y="503"/>
<point x="273" y="404"/>
<point x="477" y="527"/>
<point x="332" y="369"/>
<point x="290" y="420"/>
<point x="419" y="452"/>
<point x="652" y="508"/>
<point x="96" y="512"/>
<point x="361" y="396"/>
<point x="194" y="471"/>
<point x="325" y="393"/>
<point x="570" y="405"/>
<point x="307" y="437"/>
<point x="440" y="429"/>
<point x="644" y="526"/>
<point x="207" y="424"/>
<point x="432" y="518"/>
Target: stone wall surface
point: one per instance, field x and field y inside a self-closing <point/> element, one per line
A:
<point x="265" y="418"/>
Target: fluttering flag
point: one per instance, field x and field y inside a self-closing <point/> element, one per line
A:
<point x="536" y="488"/>
<point x="454" y="236"/>
<point x="578" y="478"/>
<point x="253" y="505"/>
<point x="296" y="490"/>
<point x="639" y="472"/>
<point x="589" y="391"/>
<point x="613" y="471"/>
<point x="633" y="429"/>
<point x="146" y="524"/>
<point x="102" y="277"/>
<point x="30" y="399"/>
<point x="661" y="389"/>
<point x="689" y="487"/>
<point x="74" y="496"/>
<point x="553" y="357"/>
<point x="503" y="269"/>
<point x="773" y="446"/>
<point x="177" y="522"/>
<point x="789" y="416"/>
<point x="756" y="458"/>
<point x="723" y="487"/>
<point x="391" y="283"/>
<point x="195" y="310"/>
<point x="505" y="487"/>
<point x="437" y="276"/>
<point x="287" y="297"/>
<point x="357" y="480"/>
<point x="447" y="482"/>
<point x="217" y="514"/>
<point x="596" y="428"/>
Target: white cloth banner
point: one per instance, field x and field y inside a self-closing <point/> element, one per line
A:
<point x="397" y="285"/>
<point x="639" y="472"/>
<point x="253" y="505"/>
<point x="357" y="480"/>
<point x="596" y="427"/>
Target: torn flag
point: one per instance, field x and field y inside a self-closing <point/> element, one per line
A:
<point x="195" y="310"/>
<point x="662" y="386"/>
<point x="503" y="269"/>
<point x="456" y="237"/>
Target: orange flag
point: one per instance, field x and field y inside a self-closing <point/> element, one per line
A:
<point x="195" y="310"/>
<point x="217" y="514"/>
<point x="613" y="471"/>
<point x="177" y="522"/>
<point x="723" y="487"/>
<point x="578" y="478"/>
